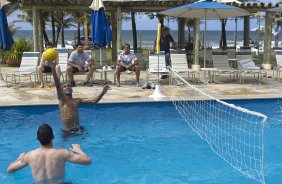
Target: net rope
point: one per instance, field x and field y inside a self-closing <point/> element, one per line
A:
<point x="232" y="132"/>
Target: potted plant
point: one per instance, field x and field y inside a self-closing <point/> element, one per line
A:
<point x="14" y="56"/>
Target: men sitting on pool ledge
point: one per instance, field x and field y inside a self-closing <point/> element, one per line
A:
<point x="69" y="105"/>
<point x="47" y="163"/>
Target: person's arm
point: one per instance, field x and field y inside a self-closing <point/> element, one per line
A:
<point x="98" y="98"/>
<point x="135" y="61"/>
<point x="72" y="63"/>
<point x="60" y="95"/>
<point x="42" y="60"/>
<point x="18" y="164"/>
<point x="173" y="42"/>
<point x="119" y="63"/>
<point x="76" y="155"/>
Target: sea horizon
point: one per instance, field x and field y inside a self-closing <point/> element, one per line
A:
<point x="146" y="38"/>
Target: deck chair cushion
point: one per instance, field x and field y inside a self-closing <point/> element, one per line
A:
<point x="248" y="64"/>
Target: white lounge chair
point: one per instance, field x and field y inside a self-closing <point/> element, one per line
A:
<point x="220" y="61"/>
<point x="179" y="65"/>
<point x="28" y="67"/>
<point x="247" y="66"/>
<point x="157" y="65"/>
<point x="63" y="61"/>
<point x="278" y="66"/>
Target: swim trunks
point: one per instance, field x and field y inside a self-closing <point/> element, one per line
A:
<point x="75" y="130"/>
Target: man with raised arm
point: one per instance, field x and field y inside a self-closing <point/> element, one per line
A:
<point x="47" y="163"/>
<point x="69" y="105"/>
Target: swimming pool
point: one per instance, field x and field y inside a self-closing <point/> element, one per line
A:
<point x="135" y="143"/>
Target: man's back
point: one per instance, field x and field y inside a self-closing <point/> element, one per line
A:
<point x="47" y="163"/>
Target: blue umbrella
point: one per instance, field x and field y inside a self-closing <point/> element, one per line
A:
<point x="6" y="40"/>
<point x="101" y="31"/>
<point x="205" y="9"/>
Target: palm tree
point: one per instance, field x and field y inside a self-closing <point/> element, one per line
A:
<point x="134" y="31"/>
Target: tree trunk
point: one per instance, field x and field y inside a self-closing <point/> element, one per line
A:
<point x="58" y="33"/>
<point x="53" y="28"/>
<point x="45" y="36"/>
<point x="63" y="32"/>
<point x="78" y="32"/>
<point x="134" y="32"/>
<point x="223" y="34"/>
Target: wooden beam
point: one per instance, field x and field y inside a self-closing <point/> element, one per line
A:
<point x="267" y="41"/>
<point x="35" y="22"/>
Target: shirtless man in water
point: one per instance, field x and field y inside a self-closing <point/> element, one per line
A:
<point x="47" y="163"/>
<point x="69" y="105"/>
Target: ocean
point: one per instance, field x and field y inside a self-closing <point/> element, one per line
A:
<point x="146" y="38"/>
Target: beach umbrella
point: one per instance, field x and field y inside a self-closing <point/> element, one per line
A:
<point x="6" y="40"/>
<point x="101" y="31"/>
<point x="205" y="9"/>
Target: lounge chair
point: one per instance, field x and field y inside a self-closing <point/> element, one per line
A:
<point x="179" y="65"/>
<point x="28" y="67"/>
<point x="278" y="66"/>
<point x="220" y="61"/>
<point x="247" y="65"/>
<point x="157" y="65"/>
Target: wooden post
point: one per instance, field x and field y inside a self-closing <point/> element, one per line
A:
<point x="267" y="41"/>
<point x="85" y="30"/>
<point x="196" y="41"/>
<point x="40" y="32"/>
<point x="35" y="21"/>
<point x="181" y="31"/>
<point x="246" y="31"/>
<point x="118" y="26"/>
<point x="114" y="36"/>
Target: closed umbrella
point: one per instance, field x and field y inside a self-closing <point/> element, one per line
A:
<point x="6" y="40"/>
<point x="205" y="9"/>
<point x="101" y="31"/>
<point x="158" y="93"/>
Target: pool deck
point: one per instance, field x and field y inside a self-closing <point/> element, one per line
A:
<point x="27" y="94"/>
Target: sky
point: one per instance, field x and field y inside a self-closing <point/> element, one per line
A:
<point x="143" y="22"/>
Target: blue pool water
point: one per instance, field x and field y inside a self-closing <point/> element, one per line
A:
<point x="135" y="143"/>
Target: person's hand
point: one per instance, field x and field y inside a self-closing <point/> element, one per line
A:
<point x="50" y="63"/>
<point x="76" y="148"/>
<point x="79" y="68"/>
<point x="105" y="89"/>
<point x="128" y="67"/>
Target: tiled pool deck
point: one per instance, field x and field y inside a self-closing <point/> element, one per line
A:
<point x="26" y="94"/>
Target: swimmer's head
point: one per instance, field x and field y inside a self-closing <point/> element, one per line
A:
<point x="67" y="89"/>
<point x="45" y="134"/>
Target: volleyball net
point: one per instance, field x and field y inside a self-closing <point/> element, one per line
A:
<point x="232" y="132"/>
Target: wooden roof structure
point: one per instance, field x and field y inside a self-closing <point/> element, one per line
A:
<point x="129" y="5"/>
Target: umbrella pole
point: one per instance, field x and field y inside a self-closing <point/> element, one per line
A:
<point x="158" y="81"/>
<point x="205" y="38"/>
<point x="101" y="63"/>
<point x="2" y="55"/>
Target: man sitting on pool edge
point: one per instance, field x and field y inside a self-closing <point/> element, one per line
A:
<point x="69" y="105"/>
<point x="47" y="163"/>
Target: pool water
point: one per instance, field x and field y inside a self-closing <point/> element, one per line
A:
<point x="135" y="143"/>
